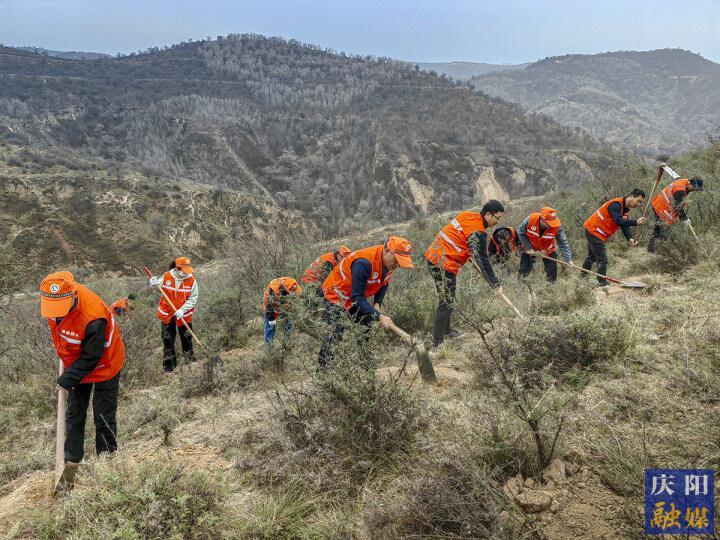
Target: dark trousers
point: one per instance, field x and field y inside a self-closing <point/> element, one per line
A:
<point x="660" y="232"/>
<point x="104" y="399"/>
<point x="335" y="317"/>
<point x="597" y="254"/>
<point x="168" y="333"/>
<point x="445" y="285"/>
<point x="526" y="266"/>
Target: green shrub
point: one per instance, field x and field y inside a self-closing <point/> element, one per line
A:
<point x="566" y="295"/>
<point x="559" y="345"/>
<point x="121" y="499"/>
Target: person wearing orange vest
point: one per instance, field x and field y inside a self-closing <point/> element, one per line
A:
<point x="122" y="306"/>
<point x="181" y="287"/>
<point x="539" y="233"/>
<point x="464" y="237"/>
<point x="274" y="298"/>
<point x="323" y="265"/>
<point x="363" y="274"/>
<point x="669" y="206"/>
<point x="604" y="222"/>
<point x="87" y="341"/>
<point x="503" y="241"/>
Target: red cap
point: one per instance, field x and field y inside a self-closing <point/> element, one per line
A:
<point x="549" y="215"/>
<point x="57" y="294"/>
<point x="344" y="251"/>
<point x="402" y="248"/>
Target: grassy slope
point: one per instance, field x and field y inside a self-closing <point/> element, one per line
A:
<point x="653" y="405"/>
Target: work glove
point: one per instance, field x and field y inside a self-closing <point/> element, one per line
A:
<point x="179" y="314"/>
<point x="155" y="281"/>
<point x="272" y="323"/>
<point x="686" y="222"/>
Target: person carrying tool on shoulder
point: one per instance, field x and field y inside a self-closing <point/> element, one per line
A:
<point x="464" y="237"/>
<point x="669" y="206"/>
<point x="122" y="306"/>
<point x="503" y="242"/>
<point x="321" y="267"/>
<point x="87" y="341"/>
<point x="539" y="234"/>
<point x="181" y="287"/>
<point x="274" y="299"/>
<point x="362" y="275"/>
<point x="604" y="222"/>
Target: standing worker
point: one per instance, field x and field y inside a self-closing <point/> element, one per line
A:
<point x="87" y="340"/>
<point x="669" y="206"/>
<point x="122" y="306"/>
<point x="463" y="237"/>
<point x="604" y="222"/>
<point x="321" y="267"/>
<point x="539" y="233"/>
<point x="503" y="242"/>
<point x="181" y="287"/>
<point x="274" y="298"/>
<point x="363" y="274"/>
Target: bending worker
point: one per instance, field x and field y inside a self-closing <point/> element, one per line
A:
<point x="122" y="306"/>
<point x="503" y="242"/>
<point x="87" y="341"/>
<point x="274" y="298"/>
<point x="669" y="206"/>
<point x="181" y="288"/>
<point x="539" y="233"/>
<point x="363" y="274"/>
<point x="321" y="267"/>
<point x="604" y="222"/>
<point x="463" y="237"/>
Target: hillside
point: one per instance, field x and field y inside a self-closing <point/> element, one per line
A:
<point x="464" y="71"/>
<point x="70" y="55"/>
<point x="538" y="429"/>
<point x="344" y="140"/>
<point x="57" y="210"/>
<point x="656" y="102"/>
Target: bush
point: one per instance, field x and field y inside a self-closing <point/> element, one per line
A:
<point x="116" y="498"/>
<point x="564" y="296"/>
<point x="559" y="346"/>
<point x="334" y="434"/>
<point x="448" y="493"/>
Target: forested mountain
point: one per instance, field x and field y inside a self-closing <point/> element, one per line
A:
<point x="465" y="71"/>
<point x="342" y="139"/>
<point x="656" y="102"/>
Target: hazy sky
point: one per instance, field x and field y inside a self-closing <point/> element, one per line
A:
<point x="510" y="31"/>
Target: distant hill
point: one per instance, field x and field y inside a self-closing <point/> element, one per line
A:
<point x="344" y="140"/>
<point x="465" y="71"/>
<point x="655" y="102"/>
<point x="70" y="55"/>
<point x="58" y="210"/>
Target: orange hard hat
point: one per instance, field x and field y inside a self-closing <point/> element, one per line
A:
<point x="57" y="294"/>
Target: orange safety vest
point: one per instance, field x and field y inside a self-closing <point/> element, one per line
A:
<point x="600" y="224"/>
<point x="276" y="286"/>
<point x="311" y="273"/>
<point x="513" y="239"/>
<point x="119" y="307"/>
<point x="541" y="241"/>
<point x="69" y="333"/>
<point x="337" y="287"/>
<point x="450" y="246"/>
<point x="178" y="296"/>
<point x="664" y="202"/>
